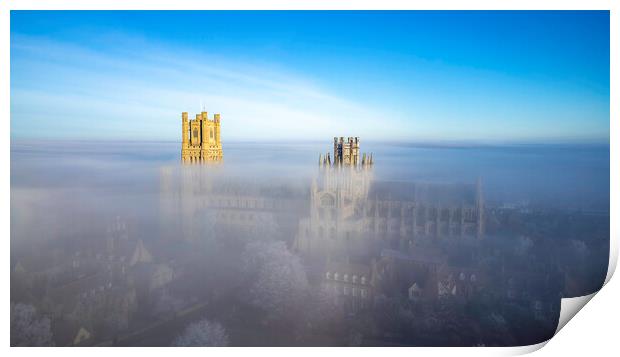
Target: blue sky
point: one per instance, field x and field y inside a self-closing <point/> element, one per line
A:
<point x="509" y="76"/>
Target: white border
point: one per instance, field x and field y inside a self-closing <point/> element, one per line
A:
<point x="603" y="318"/>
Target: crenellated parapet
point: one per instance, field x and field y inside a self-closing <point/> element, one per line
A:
<point x="201" y="138"/>
<point x="346" y="154"/>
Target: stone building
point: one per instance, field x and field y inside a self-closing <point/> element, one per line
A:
<point x="349" y="213"/>
<point x="201" y="138"/>
<point x="351" y="283"/>
<point x="196" y="201"/>
<point x="346" y="153"/>
<point x="390" y="230"/>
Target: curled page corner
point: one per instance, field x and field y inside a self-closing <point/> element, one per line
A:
<point x="613" y="259"/>
<point x="523" y="350"/>
<point x="570" y="307"/>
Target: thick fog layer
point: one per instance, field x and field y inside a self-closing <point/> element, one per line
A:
<point x="118" y="243"/>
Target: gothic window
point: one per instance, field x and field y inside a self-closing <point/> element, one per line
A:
<point x="354" y="279"/>
<point x="336" y="277"/>
<point x="363" y="293"/>
<point x="328" y="275"/>
<point x="363" y="280"/>
<point x="327" y="200"/>
<point x="211" y="133"/>
<point x="346" y="278"/>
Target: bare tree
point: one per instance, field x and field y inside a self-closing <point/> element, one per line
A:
<point x="27" y="329"/>
<point x="202" y="333"/>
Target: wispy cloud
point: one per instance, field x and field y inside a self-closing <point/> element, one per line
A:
<point x="66" y="90"/>
<point x="123" y="86"/>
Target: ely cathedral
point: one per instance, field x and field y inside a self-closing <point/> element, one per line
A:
<point x="201" y="138"/>
<point x="359" y="237"/>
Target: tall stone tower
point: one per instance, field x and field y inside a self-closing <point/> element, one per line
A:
<point x="346" y="153"/>
<point x="201" y="139"/>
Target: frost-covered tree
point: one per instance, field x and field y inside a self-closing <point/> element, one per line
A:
<point x="202" y="333"/>
<point x="280" y="286"/>
<point x="28" y="329"/>
<point x="321" y="310"/>
<point x="258" y="253"/>
<point x="277" y="279"/>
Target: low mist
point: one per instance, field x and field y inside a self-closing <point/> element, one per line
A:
<point x="119" y="244"/>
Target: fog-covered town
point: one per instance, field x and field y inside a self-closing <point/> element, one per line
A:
<point x="288" y="177"/>
<point x="216" y="255"/>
